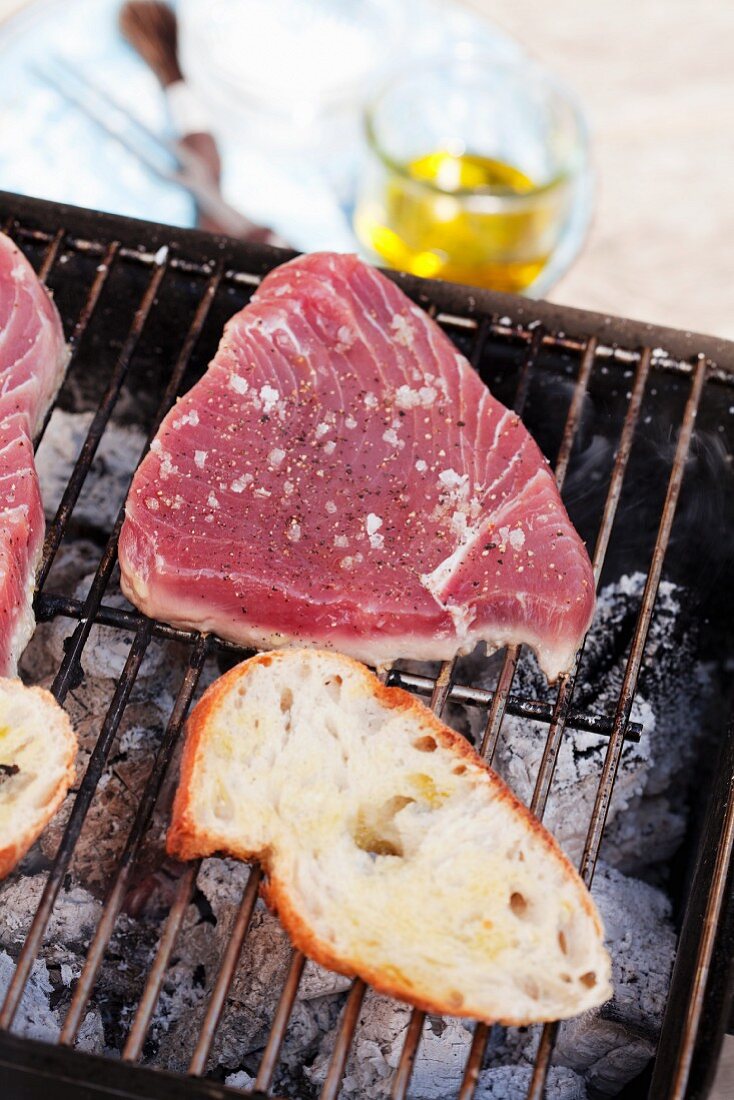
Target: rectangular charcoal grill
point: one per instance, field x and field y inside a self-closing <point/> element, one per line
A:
<point x="143" y="307"/>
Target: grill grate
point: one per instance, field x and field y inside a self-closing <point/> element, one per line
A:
<point x="483" y="325"/>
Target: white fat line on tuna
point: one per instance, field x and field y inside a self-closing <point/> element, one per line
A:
<point x="505" y="471"/>
<point x="439" y="579"/>
<point x="501" y="512"/>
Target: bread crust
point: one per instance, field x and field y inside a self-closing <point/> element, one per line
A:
<point x="12" y="853"/>
<point x="185" y="841"/>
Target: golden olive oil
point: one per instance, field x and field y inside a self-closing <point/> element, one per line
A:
<point x="460" y="216"/>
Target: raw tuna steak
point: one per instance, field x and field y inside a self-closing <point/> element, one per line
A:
<point x="342" y="477"/>
<point x="33" y="357"/>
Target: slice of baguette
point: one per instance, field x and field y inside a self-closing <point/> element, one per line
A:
<point x="37" y="752"/>
<point x="392" y="851"/>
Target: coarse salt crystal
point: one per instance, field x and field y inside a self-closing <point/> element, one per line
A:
<point x="240" y="483"/>
<point x="212" y="501"/>
<point x="330" y="507"/>
<point x="239" y="385"/>
<point x="276" y="456"/>
<point x="370" y="401"/>
<point x="321" y="429"/>
<point x="407" y="398"/>
<point x="269" y="397"/>
<point x="517" y="538"/>
<point x="400" y="326"/>
<point x="200" y="458"/>
<point x="152" y="504"/>
<point x="421" y="465"/>
<point x="329" y="447"/>
<point x="288" y="488"/>
<point x="294" y="531"/>
<point x="350" y="422"/>
<point x="391" y="436"/>
<point x="452" y="480"/>
<point x="341" y="541"/>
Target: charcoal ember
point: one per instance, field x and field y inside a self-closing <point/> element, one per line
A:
<point x="239" y="1080"/>
<point x="646" y="836"/>
<point x="105" y="486"/>
<point x="71" y="924"/>
<point x="513" y="1082"/>
<point x="125" y="774"/>
<point x="439" y="1064"/>
<point x="576" y="778"/>
<point x="258" y="979"/>
<point x="310" y="1021"/>
<point x="671" y="682"/>
<point x="642" y="828"/>
<point x="35" y="1017"/>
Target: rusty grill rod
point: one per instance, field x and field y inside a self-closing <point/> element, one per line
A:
<point x="116" y="895"/>
<point x="562" y="706"/>
<point x="502" y="327"/>
<point x="154" y="982"/>
<point x="69" y="671"/>
<point x="439" y="698"/>
<point x="74" y="825"/>
<point x="118" y="889"/>
<point x="629" y="686"/>
<point x="51" y="606"/>
<point x="226" y="973"/>
<point x="102" y="414"/>
<point x="403" y="1073"/>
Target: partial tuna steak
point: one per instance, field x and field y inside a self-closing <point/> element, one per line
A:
<point x="342" y="477"/>
<point x="33" y="358"/>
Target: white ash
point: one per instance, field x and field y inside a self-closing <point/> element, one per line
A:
<point x="253" y="997"/>
<point x="439" y="1065"/>
<point x="576" y="778"/>
<point x="669" y="704"/>
<point x="106" y="484"/>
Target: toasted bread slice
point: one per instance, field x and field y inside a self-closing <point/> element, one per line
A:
<point x="37" y="751"/>
<point x="392" y="851"/>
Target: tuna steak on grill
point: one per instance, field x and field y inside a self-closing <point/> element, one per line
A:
<point x="33" y="358"/>
<point x="342" y="477"/>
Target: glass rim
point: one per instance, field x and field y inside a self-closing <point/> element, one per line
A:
<point x="522" y="64"/>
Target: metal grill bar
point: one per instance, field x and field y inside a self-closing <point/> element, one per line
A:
<point x="226" y="972"/>
<point x="50" y="607"/>
<point x="73" y="828"/>
<point x="279" y="1025"/>
<point x="149" y="999"/>
<point x="496" y="328"/>
<point x="116" y="895"/>
<point x="559" y="722"/>
<point x="500" y="701"/>
<point x="99" y="422"/>
<point x="69" y="668"/>
<point x="629" y="685"/>
<point x="50" y="255"/>
<point x="401" y="1081"/>
<point x="117" y="892"/>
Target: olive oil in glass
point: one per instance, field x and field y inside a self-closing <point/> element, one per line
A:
<point x="464" y="180"/>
